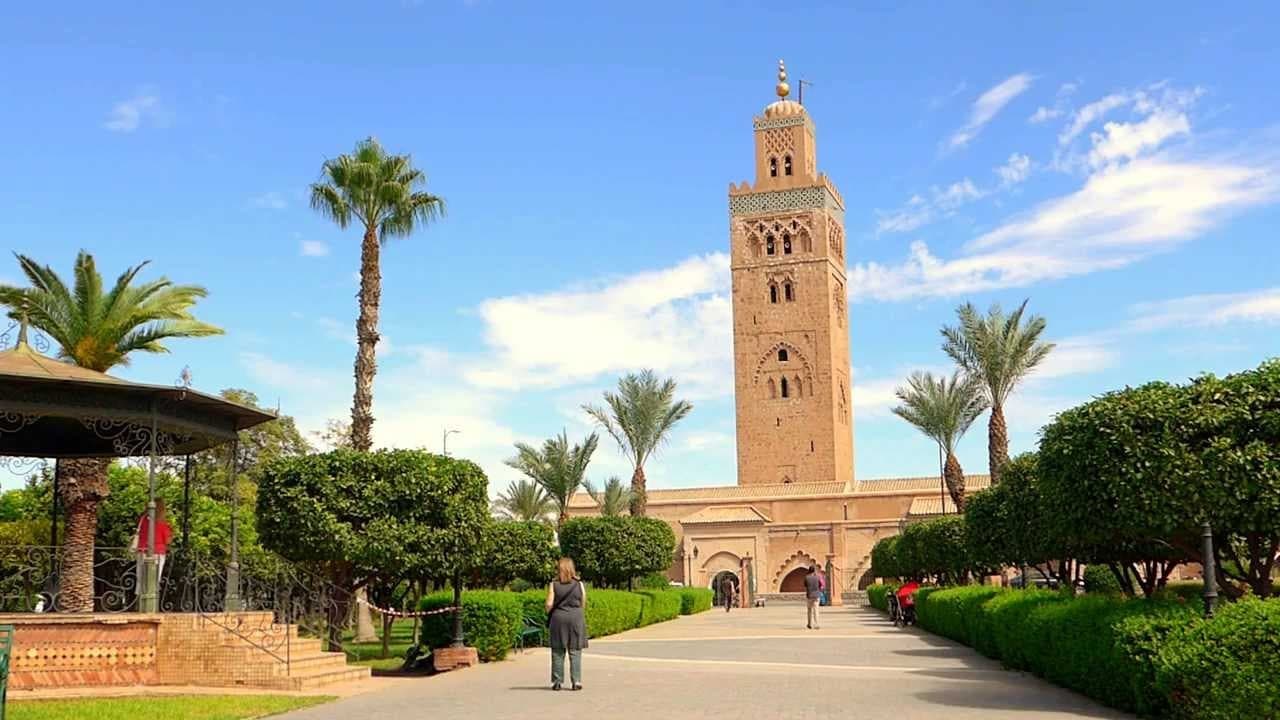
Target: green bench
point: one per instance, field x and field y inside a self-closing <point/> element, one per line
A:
<point x="529" y="630"/>
<point x="6" y="649"/>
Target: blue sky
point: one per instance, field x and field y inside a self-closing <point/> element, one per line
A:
<point x="1117" y="165"/>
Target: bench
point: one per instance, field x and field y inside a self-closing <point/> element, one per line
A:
<point x="530" y="629"/>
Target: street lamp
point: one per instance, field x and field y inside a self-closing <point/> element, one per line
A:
<point x="444" y="442"/>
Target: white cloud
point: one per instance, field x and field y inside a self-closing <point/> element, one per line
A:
<point x="987" y="106"/>
<point x="129" y="115"/>
<point x="1016" y="169"/>
<point x="1126" y="141"/>
<point x="1075" y="356"/>
<point x="1090" y="113"/>
<point x="919" y="211"/>
<point x="313" y="248"/>
<point x="269" y="201"/>
<point x="1257" y="306"/>
<point x="704" y="440"/>
<point x="1044" y="114"/>
<point x="677" y="321"/>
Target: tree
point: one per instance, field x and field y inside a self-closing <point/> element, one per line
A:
<point x="524" y="500"/>
<point x="517" y="550"/>
<point x="615" y="550"/>
<point x="383" y="517"/>
<point x="614" y="498"/>
<point x="558" y="467"/>
<point x="640" y="417"/>
<point x="943" y="409"/>
<point x="383" y="193"/>
<point x="884" y="558"/>
<point x="98" y="329"/>
<point x="255" y="448"/>
<point x="1122" y="483"/>
<point x="997" y="351"/>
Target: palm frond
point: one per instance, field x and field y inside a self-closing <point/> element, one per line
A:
<point x="641" y="414"/>
<point x="942" y="408"/>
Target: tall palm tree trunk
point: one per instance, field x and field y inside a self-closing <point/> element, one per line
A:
<point x="954" y="477"/>
<point x="562" y="519"/>
<point x="366" y="341"/>
<point x="83" y="485"/>
<point x="997" y="442"/>
<point x="638" y="497"/>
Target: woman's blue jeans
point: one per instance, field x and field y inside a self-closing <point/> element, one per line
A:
<point x="557" y="666"/>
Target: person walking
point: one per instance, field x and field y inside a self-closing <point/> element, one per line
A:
<point x="726" y="592"/>
<point x="812" y="596"/>
<point x="566" y="602"/>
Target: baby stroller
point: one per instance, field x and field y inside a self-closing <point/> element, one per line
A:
<point x="902" y="605"/>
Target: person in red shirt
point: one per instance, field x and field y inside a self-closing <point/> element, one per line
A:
<point x="142" y="539"/>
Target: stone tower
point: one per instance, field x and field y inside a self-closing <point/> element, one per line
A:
<point x="790" y="320"/>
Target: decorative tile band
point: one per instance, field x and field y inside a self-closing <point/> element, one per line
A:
<point x="807" y="198"/>
<point x="780" y="122"/>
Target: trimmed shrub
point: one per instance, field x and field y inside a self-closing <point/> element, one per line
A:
<point x="614" y="550"/>
<point x="1000" y="630"/>
<point x="1225" y="668"/>
<point x="695" y="600"/>
<point x="490" y="621"/>
<point x="658" y="606"/>
<point x="950" y="612"/>
<point x="1099" y="579"/>
<point x="878" y="595"/>
<point x="653" y="581"/>
<point x="612" y="611"/>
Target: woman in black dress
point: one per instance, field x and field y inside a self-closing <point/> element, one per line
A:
<point x="566" y="601"/>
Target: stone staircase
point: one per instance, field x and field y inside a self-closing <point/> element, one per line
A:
<point x="248" y="650"/>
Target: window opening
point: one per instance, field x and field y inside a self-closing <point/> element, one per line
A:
<point x="770" y="247"/>
<point x="789" y="295"/>
<point x="786" y="165"/>
<point x="782" y="355"/>
<point x="786" y="389"/>
<point x="773" y="294"/>
<point x="773" y="167"/>
<point x="786" y="244"/>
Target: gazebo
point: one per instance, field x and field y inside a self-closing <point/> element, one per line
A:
<point x="55" y="410"/>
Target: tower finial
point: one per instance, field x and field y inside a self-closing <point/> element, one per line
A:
<point x="783" y="88"/>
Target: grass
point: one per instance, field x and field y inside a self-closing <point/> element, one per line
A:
<point x="370" y="654"/>
<point x="178" y="707"/>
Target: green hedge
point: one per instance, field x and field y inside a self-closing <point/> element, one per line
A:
<point x="953" y="612"/>
<point x="1110" y="648"/>
<point x="1225" y="668"/>
<point x="491" y="618"/>
<point x="490" y="621"/>
<point x="878" y="596"/>
<point x="695" y="600"/>
<point x="658" y="606"/>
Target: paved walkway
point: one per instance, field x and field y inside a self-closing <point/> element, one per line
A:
<point x="761" y="662"/>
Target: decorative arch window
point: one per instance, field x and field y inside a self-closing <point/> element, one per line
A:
<point x="773" y="166"/>
<point x="773" y="293"/>
<point x="787" y="292"/>
<point x="773" y="389"/>
<point x="782" y="354"/>
<point x="786" y="388"/>
<point x="799" y="387"/>
<point x="786" y="243"/>
<point x="786" y="165"/>
<point x="806" y="242"/>
<point x="770" y="245"/>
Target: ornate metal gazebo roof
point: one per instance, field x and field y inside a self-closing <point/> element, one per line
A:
<point x="53" y="409"/>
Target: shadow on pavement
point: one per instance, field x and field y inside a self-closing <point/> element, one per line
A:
<point x="1005" y="697"/>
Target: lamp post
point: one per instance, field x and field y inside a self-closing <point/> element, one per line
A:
<point x="444" y="441"/>
<point x="1210" y="572"/>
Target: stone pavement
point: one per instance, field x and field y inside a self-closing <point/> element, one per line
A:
<point x="760" y="662"/>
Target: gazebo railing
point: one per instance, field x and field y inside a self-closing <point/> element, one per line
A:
<point x="272" y="603"/>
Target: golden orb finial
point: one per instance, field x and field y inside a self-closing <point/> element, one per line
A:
<point x="783" y="88"/>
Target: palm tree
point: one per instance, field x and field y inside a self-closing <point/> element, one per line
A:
<point x="613" y="499"/>
<point x="640" y="417"/>
<point x="997" y="351"/>
<point x="943" y="409"/>
<point x="524" y="500"/>
<point x="558" y="467"/>
<point x="383" y="193"/>
<point x="98" y="330"/>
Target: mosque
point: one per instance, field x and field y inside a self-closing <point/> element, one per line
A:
<point x="797" y="501"/>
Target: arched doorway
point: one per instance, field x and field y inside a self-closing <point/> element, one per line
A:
<point x="717" y="585"/>
<point x="794" y="580"/>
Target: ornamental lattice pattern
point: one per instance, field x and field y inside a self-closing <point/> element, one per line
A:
<point x="778" y="144"/>
<point x="806" y="198"/>
<point x="776" y="123"/>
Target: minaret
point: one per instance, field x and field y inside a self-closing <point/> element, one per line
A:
<point x="790" y="325"/>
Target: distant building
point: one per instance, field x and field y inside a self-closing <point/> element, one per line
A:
<point x="797" y="502"/>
